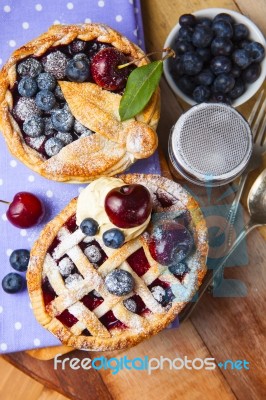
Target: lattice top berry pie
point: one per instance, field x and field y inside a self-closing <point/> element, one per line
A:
<point x="59" y="102"/>
<point x="119" y="263"/>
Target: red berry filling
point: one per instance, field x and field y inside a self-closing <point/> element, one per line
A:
<point x="111" y="322"/>
<point x="48" y="292"/>
<point x="138" y="262"/>
<point x="91" y="301"/>
<point x="67" y="318"/>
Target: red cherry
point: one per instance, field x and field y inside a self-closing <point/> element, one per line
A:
<point x="128" y="206"/>
<point x="25" y="210"/>
<point x="104" y="69"/>
<point x="170" y="242"/>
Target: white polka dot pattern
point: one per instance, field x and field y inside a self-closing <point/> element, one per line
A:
<point x="36" y="342"/>
<point x="19" y="327"/>
<point x="70" y="6"/>
<point x="7" y="8"/>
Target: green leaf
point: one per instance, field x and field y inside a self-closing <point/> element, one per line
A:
<point x="141" y="84"/>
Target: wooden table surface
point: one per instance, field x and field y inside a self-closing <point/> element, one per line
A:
<point x="221" y="328"/>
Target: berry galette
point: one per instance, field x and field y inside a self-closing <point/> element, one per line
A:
<point x="59" y="104"/>
<point x="119" y="263"/>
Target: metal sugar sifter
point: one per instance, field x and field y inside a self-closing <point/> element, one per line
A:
<point x="210" y="144"/>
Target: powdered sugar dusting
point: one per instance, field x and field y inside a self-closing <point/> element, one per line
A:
<point x="65" y="266"/>
<point x="158" y="293"/>
<point x="72" y="281"/>
<point x="93" y="253"/>
<point x="26" y="108"/>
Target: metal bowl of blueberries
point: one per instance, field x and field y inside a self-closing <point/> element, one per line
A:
<point x="220" y="57"/>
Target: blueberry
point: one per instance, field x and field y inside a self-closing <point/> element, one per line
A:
<point x="224" y="17"/>
<point x="186" y="84"/>
<point x="185" y="33"/>
<point x="158" y="293"/>
<point x="243" y="43"/>
<point x="256" y="51"/>
<point x="46" y="81"/>
<point x="238" y="89"/>
<point x="187" y="20"/>
<point x="95" y="46"/>
<point x="241" y="58"/>
<point x="48" y="126"/>
<point x="221" y="65"/>
<point x="205" y="77"/>
<point x="65" y="137"/>
<point x="55" y="63"/>
<point x="202" y="36"/>
<point x="119" y="282"/>
<point x="201" y="93"/>
<point x="191" y="63"/>
<point x="81" y="129"/>
<point x="27" y="87"/>
<point x="89" y="227"/>
<point x="45" y="100"/>
<point x="58" y="93"/>
<point x="113" y="238"/>
<point x="236" y="71"/>
<point x="26" y="108"/>
<point x="33" y="126"/>
<point x="30" y="67"/>
<point x="77" y="70"/>
<point x="130" y="305"/>
<point x="204" y="53"/>
<point x="181" y="47"/>
<point x="179" y="269"/>
<point x="251" y="73"/>
<point x="220" y="98"/>
<point x="13" y="283"/>
<point x="241" y="32"/>
<point x="19" y="259"/>
<point x="223" y="83"/>
<point x="53" y="146"/>
<point x="77" y="46"/>
<point x="221" y="46"/>
<point x="222" y="28"/>
<point x="204" y="21"/>
<point x="176" y="67"/>
<point x="81" y="56"/>
<point x="62" y="120"/>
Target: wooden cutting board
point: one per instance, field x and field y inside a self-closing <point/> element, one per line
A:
<point x="221" y="328"/>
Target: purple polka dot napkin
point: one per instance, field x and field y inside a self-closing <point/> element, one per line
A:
<point x="21" y="21"/>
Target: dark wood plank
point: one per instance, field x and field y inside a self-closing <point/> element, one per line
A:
<point x="77" y="385"/>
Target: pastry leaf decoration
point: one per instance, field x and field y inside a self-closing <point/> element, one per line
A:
<point x="141" y="84"/>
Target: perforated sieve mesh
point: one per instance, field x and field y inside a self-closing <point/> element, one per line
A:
<point x="212" y="140"/>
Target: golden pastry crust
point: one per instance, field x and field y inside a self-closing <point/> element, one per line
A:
<point x="100" y="154"/>
<point x="139" y="327"/>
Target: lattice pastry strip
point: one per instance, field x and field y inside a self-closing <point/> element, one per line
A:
<point x="111" y="302"/>
<point x="87" y="319"/>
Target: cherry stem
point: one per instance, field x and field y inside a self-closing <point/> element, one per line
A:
<point x="169" y="53"/>
<point x="5" y="202"/>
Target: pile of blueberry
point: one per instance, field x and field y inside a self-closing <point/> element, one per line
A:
<point x="215" y="59"/>
<point x="40" y="107"/>
<point x="14" y="282"/>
